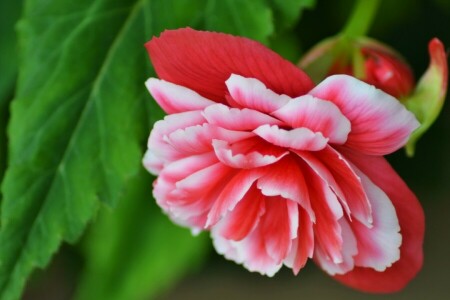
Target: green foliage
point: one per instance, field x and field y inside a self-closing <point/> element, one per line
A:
<point x="9" y="14"/>
<point x="79" y="123"/>
<point x="129" y="249"/>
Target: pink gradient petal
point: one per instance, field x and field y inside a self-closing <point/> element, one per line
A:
<point x="380" y="123"/>
<point x="349" y="188"/>
<point x="203" y="61"/>
<point x="298" y="138"/>
<point x="304" y="242"/>
<point x="235" y="156"/>
<point x="317" y="115"/>
<point x="252" y="93"/>
<point x="293" y="187"/>
<point x="237" y="119"/>
<point x="412" y="223"/>
<point x="251" y="252"/>
<point x="175" y="98"/>
<point x="159" y="152"/>
<point x="328" y="211"/>
<point x="238" y="223"/>
<point x="199" y="138"/>
<point x="278" y="225"/>
<point x="378" y="246"/>
<point x="349" y="249"/>
<point x="231" y="194"/>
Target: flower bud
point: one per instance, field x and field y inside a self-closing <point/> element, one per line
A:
<point x="364" y="58"/>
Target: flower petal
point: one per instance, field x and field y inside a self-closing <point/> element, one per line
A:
<point x="175" y="98"/>
<point x="231" y="194"/>
<point x="411" y="219"/>
<point x="203" y="61"/>
<point x="380" y="123"/>
<point x="237" y="119"/>
<point x="237" y="156"/>
<point x="238" y="223"/>
<point x="317" y="115"/>
<point x="298" y="138"/>
<point x="302" y="246"/>
<point x="252" y="93"/>
<point x="293" y="187"/>
<point x="278" y="225"/>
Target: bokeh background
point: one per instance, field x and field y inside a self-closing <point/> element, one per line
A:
<point x="192" y="270"/>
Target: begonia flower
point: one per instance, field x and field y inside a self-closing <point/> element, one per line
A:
<point x="279" y="170"/>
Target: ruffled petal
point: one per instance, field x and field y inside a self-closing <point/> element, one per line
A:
<point x="203" y="61"/>
<point x="302" y="246"/>
<point x="293" y="187"/>
<point x="262" y="154"/>
<point x="412" y="223"/>
<point x="175" y="98"/>
<point x="298" y="138"/>
<point x="316" y="114"/>
<point x="238" y="223"/>
<point x="159" y="152"/>
<point x="252" y="93"/>
<point x="380" y="124"/>
<point x="237" y="119"/>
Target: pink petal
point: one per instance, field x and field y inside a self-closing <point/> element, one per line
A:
<point x="293" y="187"/>
<point x="346" y="184"/>
<point x="379" y="246"/>
<point x="199" y="138"/>
<point x="237" y="119"/>
<point x="303" y="245"/>
<point x="251" y="252"/>
<point x="349" y="249"/>
<point x="238" y="156"/>
<point x="278" y="225"/>
<point x="317" y="115"/>
<point x="238" y="223"/>
<point x="252" y="93"/>
<point x="411" y="219"/>
<point x="380" y="124"/>
<point x="159" y="151"/>
<point x="328" y="211"/>
<point x="298" y="138"/>
<point x="203" y="61"/>
<point x="174" y="98"/>
<point x="231" y="194"/>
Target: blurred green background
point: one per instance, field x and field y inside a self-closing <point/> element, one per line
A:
<point x="131" y="251"/>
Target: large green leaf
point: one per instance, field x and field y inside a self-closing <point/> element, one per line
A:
<point x="252" y="19"/>
<point x="135" y="251"/>
<point x="76" y="130"/>
<point x="288" y="12"/>
<point x="9" y="14"/>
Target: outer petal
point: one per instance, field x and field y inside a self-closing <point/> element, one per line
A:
<point x="380" y="123"/>
<point x="203" y="61"/>
<point x="252" y="93"/>
<point x="237" y="119"/>
<point x="412" y="223"/>
<point x="298" y="138"/>
<point x="317" y="115"/>
<point x="174" y="98"/>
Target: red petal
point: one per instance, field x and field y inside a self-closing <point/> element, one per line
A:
<point x="203" y="61"/>
<point x="412" y="224"/>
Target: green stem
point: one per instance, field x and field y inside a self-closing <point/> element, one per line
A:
<point x="361" y="18"/>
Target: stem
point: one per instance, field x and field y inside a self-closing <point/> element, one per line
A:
<point x="361" y="18"/>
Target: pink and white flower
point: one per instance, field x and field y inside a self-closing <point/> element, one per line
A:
<point x="280" y="170"/>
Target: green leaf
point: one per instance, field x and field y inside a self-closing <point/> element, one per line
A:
<point x="288" y="12"/>
<point x="252" y="19"/>
<point x="9" y="14"/>
<point x="78" y="123"/>
<point x="135" y="251"/>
